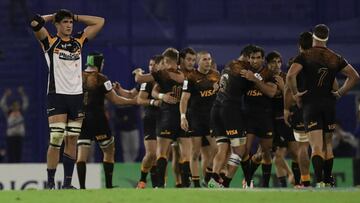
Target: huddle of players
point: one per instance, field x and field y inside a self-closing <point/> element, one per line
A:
<point x="250" y="98"/>
<point x="184" y="103"/>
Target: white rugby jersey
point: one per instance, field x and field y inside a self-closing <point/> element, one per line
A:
<point x="64" y="62"/>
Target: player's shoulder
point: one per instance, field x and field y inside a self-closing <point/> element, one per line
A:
<point x="78" y="35"/>
<point x="102" y="77"/>
<point x="266" y="74"/>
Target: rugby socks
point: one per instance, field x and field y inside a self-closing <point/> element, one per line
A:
<point x="208" y="174"/>
<point x="51" y="177"/>
<point x="266" y="173"/>
<point x="161" y="164"/>
<point x="81" y="171"/>
<point x="153" y="176"/>
<point x="108" y="170"/>
<point x="282" y="181"/>
<point x="69" y="164"/>
<point x="318" y="164"/>
<point x="328" y="165"/>
<point x="216" y="177"/>
<point x="305" y="180"/>
<point x="253" y="167"/>
<point x="245" y="165"/>
<point x="196" y="181"/>
<point x="185" y="174"/>
<point x="143" y="175"/>
<point x="296" y="171"/>
<point x="222" y="175"/>
<point x="226" y="181"/>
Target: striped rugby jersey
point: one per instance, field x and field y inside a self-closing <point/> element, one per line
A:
<point x="64" y="62"/>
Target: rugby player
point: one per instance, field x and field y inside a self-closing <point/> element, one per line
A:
<point x="227" y="116"/>
<point x="258" y="109"/>
<point x="283" y="137"/>
<point x="95" y="125"/>
<point x="199" y="92"/>
<point x="318" y="100"/>
<point x="150" y="120"/>
<point x="65" y="92"/>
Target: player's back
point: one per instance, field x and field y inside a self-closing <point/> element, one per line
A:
<point x="232" y="85"/>
<point x="95" y="85"/>
<point x="320" y="66"/>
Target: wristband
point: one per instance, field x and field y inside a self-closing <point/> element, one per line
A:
<point x="152" y="102"/>
<point x="41" y="22"/>
<point x="161" y="96"/>
<point x="258" y="76"/>
<point x="182" y="115"/>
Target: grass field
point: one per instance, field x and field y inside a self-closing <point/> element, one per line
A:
<point x="350" y="195"/>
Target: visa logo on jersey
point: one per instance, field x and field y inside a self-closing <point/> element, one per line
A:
<point x="207" y="93"/>
<point x="232" y="132"/>
<point x="254" y="93"/>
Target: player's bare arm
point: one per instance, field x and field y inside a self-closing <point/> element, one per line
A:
<point x="143" y="100"/>
<point x="185" y="96"/>
<point x="119" y="100"/>
<point x="94" y="24"/>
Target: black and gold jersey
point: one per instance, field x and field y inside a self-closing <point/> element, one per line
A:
<point x="167" y="84"/>
<point x="64" y="62"/>
<point x="203" y="89"/>
<point x="232" y="85"/>
<point x="96" y="86"/>
<point x="147" y="87"/>
<point x="255" y="100"/>
<point x="278" y="101"/>
<point x="320" y="66"/>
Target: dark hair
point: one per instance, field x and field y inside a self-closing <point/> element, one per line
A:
<point x="172" y="53"/>
<point x="270" y="56"/>
<point x="157" y="58"/>
<point x="321" y="31"/>
<point x="256" y="49"/>
<point x="62" y="14"/>
<point x="305" y="40"/>
<point x="247" y="50"/>
<point x="187" y="50"/>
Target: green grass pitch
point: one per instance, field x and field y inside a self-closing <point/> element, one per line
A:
<point x="350" y="195"/>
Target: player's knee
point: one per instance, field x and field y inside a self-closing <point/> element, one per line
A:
<point x="234" y="160"/>
<point x="195" y="154"/>
<point x="57" y="131"/>
<point x="106" y="143"/>
<point x="236" y="142"/>
<point x="151" y="155"/>
<point x="73" y="128"/>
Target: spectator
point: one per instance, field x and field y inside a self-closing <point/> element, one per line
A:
<point x="15" y="123"/>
